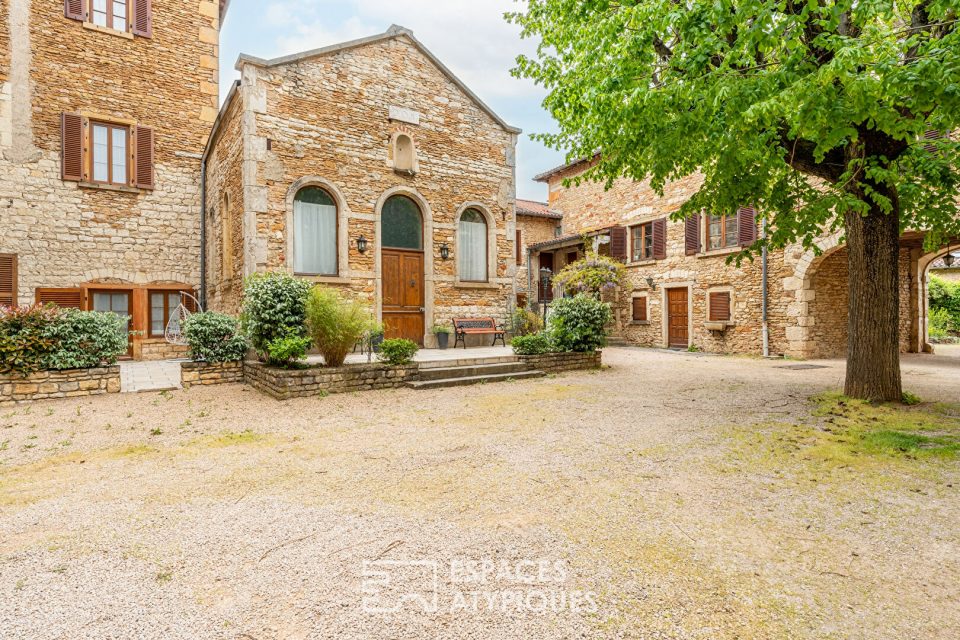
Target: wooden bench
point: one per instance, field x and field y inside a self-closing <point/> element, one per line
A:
<point x="477" y="326"/>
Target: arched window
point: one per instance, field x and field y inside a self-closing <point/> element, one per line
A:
<point x="472" y="246"/>
<point x="314" y="232"/>
<point x="401" y="224"/>
<point x="404" y="154"/>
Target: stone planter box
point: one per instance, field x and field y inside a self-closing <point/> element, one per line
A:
<point x="206" y="373"/>
<point x="556" y="362"/>
<point x="283" y="384"/>
<point x="70" y="383"/>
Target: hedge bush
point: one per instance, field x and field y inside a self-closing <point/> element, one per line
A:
<point x="578" y="323"/>
<point x="24" y="343"/>
<point x="398" y="351"/>
<point x="86" y="339"/>
<point x="287" y="351"/>
<point x="214" y="337"/>
<point x="531" y="345"/>
<point x="274" y="308"/>
<point x="336" y="324"/>
<point x="945" y="296"/>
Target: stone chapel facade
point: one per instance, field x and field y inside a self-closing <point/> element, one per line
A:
<point x="366" y="166"/>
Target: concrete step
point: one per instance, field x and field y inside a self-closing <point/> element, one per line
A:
<point x="617" y="341"/>
<point x="471" y="370"/>
<point x="480" y="379"/>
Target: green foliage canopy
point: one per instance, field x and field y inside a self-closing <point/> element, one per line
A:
<point x="802" y="108"/>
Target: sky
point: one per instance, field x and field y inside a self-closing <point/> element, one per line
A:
<point x="469" y="36"/>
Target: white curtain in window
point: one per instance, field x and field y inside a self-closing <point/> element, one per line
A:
<point x="314" y="238"/>
<point x="473" y="248"/>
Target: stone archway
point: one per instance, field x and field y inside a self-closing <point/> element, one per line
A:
<point x="923" y="268"/>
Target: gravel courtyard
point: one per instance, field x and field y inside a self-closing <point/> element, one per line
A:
<point x="668" y="496"/>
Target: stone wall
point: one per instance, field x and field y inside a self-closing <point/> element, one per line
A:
<point x="206" y="373"/>
<point x="66" y="234"/>
<point x="557" y="362"/>
<point x="284" y="384"/>
<point x="326" y="121"/>
<point x="533" y="230"/>
<point x="71" y="383"/>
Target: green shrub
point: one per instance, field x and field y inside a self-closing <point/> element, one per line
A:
<point x="941" y="324"/>
<point x="336" y="324"/>
<point x="531" y="345"/>
<point x="287" y="351"/>
<point x="24" y="343"/>
<point x="526" y="322"/>
<point x="86" y="339"/>
<point x="214" y="337"/>
<point x="274" y="307"/>
<point x="398" y="351"/>
<point x="578" y="323"/>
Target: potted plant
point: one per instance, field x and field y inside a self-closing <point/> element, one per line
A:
<point x="442" y="331"/>
<point x="376" y="337"/>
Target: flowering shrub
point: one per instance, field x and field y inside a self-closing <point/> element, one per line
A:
<point x="593" y="275"/>
<point x="214" y="337"/>
<point x="579" y="323"/>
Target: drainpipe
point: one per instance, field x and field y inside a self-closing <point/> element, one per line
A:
<point x="529" y="276"/>
<point x="203" y="232"/>
<point x="765" y="293"/>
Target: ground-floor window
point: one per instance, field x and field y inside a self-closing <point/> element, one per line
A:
<point x="164" y="307"/>
<point x="640" y="309"/>
<point x="719" y="306"/>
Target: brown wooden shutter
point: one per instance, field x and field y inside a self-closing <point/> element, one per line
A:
<point x="519" y="246"/>
<point x="720" y="306"/>
<point x="747" y="226"/>
<point x="74" y="9"/>
<point x="71" y="143"/>
<point x="660" y="239"/>
<point x="932" y="134"/>
<point x="639" y="309"/>
<point x="145" y="168"/>
<point x="618" y="243"/>
<point x="692" y="235"/>
<point x="65" y="298"/>
<point x="142" y="18"/>
<point x="8" y="280"/>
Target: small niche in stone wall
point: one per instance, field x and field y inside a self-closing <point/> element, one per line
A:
<point x="404" y="155"/>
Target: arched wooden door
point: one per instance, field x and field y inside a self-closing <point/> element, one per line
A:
<point x="402" y="272"/>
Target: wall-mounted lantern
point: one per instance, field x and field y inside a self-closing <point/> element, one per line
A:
<point x="362" y="244"/>
<point x="651" y="283"/>
<point x="445" y="251"/>
<point x="949" y="259"/>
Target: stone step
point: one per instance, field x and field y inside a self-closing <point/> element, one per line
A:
<point x="472" y="370"/>
<point x="466" y="361"/>
<point x="482" y="379"/>
<point x="617" y="341"/>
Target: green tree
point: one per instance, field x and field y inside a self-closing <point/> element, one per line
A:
<point x="814" y="111"/>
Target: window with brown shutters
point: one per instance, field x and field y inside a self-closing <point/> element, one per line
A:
<point x="640" y="309"/>
<point x="641" y="241"/>
<point x="8" y="280"/>
<point x="142" y="18"/>
<point x="931" y="136"/>
<point x="719" y="304"/>
<point x="618" y="243"/>
<point x="128" y="16"/>
<point x="74" y="9"/>
<point x="145" y="161"/>
<point x="692" y="235"/>
<point x="65" y="298"/>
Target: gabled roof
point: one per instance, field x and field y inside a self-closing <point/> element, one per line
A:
<point x="534" y="209"/>
<point x="546" y="175"/>
<point x="393" y="32"/>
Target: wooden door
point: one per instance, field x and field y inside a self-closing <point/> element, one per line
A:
<point x="546" y="261"/>
<point x="117" y="302"/>
<point x="403" y="295"/>
<point x="678" y="319"/>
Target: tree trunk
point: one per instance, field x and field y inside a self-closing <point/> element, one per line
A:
<point x="873" y="329"/>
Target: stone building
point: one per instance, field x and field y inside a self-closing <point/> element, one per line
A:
<point x="683" y="293"/>
<point x="370" y="167"/>
<point x="536" y="223"/>
<point x="105" y="108"/>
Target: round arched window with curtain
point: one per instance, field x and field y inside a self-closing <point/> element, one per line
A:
<point x="401" y="224"/>
<point x="314" y="232"/>
<point x="472" y="246"/>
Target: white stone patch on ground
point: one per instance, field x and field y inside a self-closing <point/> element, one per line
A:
<point x="160" y="375"/>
